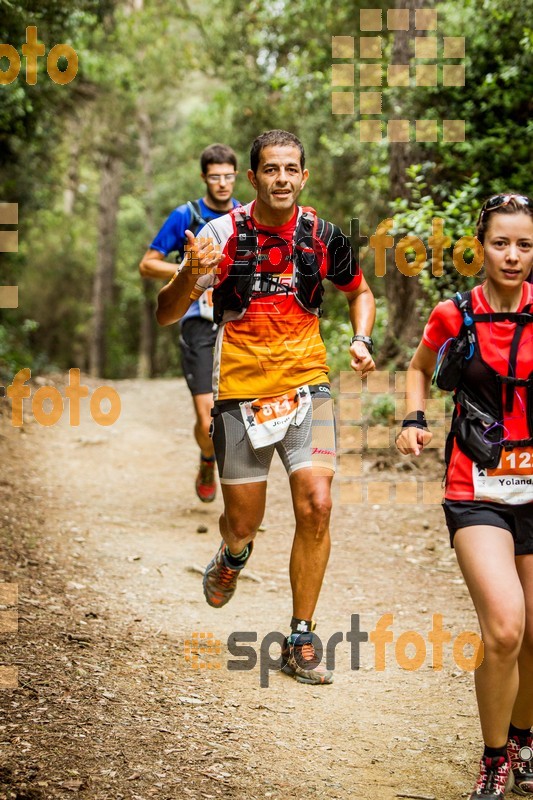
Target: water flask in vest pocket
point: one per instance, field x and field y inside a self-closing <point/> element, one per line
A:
<point x="448" y="373"/>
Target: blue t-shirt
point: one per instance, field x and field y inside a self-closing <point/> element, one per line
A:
<point x="171" y="237"/>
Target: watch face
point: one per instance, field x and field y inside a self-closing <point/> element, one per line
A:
<point x="366" y="340"/>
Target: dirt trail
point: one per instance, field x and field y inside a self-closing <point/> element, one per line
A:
<point x="99" y="530"/>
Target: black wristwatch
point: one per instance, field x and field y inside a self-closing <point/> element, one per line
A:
<point x="366" y="340"/>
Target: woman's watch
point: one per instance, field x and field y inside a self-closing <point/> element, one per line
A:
<point x="366" y="340"/>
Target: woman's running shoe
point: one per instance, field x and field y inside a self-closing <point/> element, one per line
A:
<point x="495" y="778"/>
<point x="521" y="756"/>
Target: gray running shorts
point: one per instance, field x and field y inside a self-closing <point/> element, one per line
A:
<point x="311" y="444"/>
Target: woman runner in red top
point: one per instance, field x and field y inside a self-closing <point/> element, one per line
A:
<point x="483" y="347"/>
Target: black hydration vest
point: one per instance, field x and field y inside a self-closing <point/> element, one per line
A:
<point x="235" y="291"/>
<point x="478" y="425"/>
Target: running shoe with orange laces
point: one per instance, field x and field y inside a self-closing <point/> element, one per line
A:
<point x="220" y="577"/>
<point x="521" y="755"/>
<point x="206" y="487"/>
<point x="300" y="660"/>
<point x="495" y="778"/>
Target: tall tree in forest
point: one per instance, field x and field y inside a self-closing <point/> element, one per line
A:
<point x="156" y="74"/>
<point x="111" y="168"/>
<point x="401" y="290"/>
<point x="147" y="338"/>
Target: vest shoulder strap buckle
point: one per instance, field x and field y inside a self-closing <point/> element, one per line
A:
<point x="523" y="318"/>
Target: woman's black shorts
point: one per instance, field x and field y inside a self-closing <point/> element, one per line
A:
<point x="516" y="519"/>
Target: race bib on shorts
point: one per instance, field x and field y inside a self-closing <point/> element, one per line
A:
<point x="205" y="301"/>
<point x="268" y="420"/>
<point x="511" y="482"/>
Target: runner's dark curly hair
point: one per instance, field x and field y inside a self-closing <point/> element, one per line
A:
<point x="274" y="138"/>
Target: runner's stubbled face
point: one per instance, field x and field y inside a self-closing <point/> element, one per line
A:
<point x="279" y="178"/>
<point x="508" y="249"/>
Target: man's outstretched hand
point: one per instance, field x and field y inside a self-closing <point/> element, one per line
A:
<point x="203" y="255"/>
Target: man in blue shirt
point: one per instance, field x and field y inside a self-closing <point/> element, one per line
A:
<point x="197" y="331"/>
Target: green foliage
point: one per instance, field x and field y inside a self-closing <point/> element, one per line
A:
<point x="30" y="116"/>
<point x="379" y="409"/>
<point x="457" y="208"/>
<point x="16" y="347"/>
<point x="495" y="101"/>
<point x="225" y="71"/>
<point x="337" y="331"/>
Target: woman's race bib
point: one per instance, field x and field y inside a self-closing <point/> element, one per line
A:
<point x="268" y="420"/>
<point x="511" y="482"/>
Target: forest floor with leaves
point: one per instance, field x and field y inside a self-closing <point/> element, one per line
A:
<point x="102" y="533"/>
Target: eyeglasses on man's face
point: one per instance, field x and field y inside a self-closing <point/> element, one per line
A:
<point x="229" y="178"/>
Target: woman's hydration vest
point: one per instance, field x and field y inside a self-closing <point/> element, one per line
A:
<point x="482" y="395"/>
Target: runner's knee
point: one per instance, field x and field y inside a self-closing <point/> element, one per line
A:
<point x="504" y="640"/>
<point x="314" y="511"/>
<point x="240" y="527"/>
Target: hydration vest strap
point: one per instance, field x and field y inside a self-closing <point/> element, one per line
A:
<point x="519" y="317"/>
<point x="510" y="444"/>
<point x="515" y="381"/>
<point x="520" y="325"/>
<point x="464" y="304"/>
<point x="307" y="277"/>
<point x="246" y="238"/>
<point x="463" y="301"/>
<point x="197" y="221"/>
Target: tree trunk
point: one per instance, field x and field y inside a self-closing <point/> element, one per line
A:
<point x="401" y="292"/>
<point x="148" y="329"/>
<point x="105" y="274"/>
<point x="70" y="191"/>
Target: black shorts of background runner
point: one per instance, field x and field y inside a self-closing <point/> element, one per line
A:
<point x="197" y="340"/>
<point x="518" y="520"/>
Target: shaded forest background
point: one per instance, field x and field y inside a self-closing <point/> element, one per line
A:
<point x="96" y="165"/>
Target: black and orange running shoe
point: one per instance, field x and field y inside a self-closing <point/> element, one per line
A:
<point x="220" y="578"/>
<point x="495" y="778"/>
<point x="300" y="660"/>
<point x="521" y="755"/>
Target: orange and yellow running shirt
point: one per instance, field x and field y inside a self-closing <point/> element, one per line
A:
<point x="275" y="345"/>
